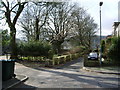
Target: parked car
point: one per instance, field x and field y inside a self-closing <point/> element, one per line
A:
<point x="93" y="56"/>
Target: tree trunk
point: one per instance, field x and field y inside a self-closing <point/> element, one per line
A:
<point x="12" y="23"/>
<point x="57" y="46"/>
<point x="13" y="43"/>
<point x="37" y="29"/>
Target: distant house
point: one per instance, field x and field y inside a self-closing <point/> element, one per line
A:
<point x="116" y="27"/>
<point x="108" y="36"/>
<point x="96" y="41"/>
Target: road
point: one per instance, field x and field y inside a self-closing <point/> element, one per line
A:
<point x="70" y="75"/>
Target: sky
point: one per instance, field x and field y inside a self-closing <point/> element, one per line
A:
<point x="109" y="13"/>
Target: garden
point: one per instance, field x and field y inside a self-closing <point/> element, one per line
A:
<point x="110" y="48"/>
<point x="44" y="54"/>
<point x="47" y="28"/>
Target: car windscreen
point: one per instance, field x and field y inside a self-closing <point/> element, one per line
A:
<point x="93" y="54"/>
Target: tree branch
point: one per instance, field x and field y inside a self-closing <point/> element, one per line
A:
<point x="20" y="9"/>
<point x="17" y="5"/>
<point x="4" y="5"/>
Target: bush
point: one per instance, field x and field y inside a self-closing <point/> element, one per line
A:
<point x="64" y="58"/>
<point x="77" y="55"/>
<point x="90" y="63"/>
<point x="67" y="57"/>
<point x="35" y="49"/>
<point x="49" y="63"/>
<point x="61" y="60"/>
<point x="109" y="40"/>
<point x="56" y="61"/>
<point x="72" y="56"/>
<point x="50" y="54"/>
<point x="103" y="46"/>
<point x="114" y="50"/>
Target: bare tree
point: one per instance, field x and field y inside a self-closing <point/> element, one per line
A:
<point x="59" y="24"/>
<point x="34" y="19"/>
<point x="83" y="26"/>
<point x="11" y="20"/>
<point x="48" y="21"/>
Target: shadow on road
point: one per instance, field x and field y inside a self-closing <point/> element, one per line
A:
<point x="61" y="66"/>
<point x="93" y="80"/>
<point x="9" y="85"/>
<point x="69" y="64"/>
<point x="24" y="87"/>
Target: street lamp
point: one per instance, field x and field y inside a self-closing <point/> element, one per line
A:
<point x="100" y="4"/>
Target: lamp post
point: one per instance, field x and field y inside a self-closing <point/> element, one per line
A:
<point x="100" y="4"/>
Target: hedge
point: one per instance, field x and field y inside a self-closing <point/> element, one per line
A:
<point x="114" y="50"/>
<point x="90" y="63"/>
<point x="35" y="49"/>
<point x="63" y="59"/>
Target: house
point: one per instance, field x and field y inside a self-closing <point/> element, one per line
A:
<point x="116" y="27"/>
<point x="108" y="36"/>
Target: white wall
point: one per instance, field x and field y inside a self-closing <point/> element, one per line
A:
<point x="119" y="30"/>
<point x="119" y="11"/>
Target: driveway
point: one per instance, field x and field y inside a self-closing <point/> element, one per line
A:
<point x="71" y="75"/>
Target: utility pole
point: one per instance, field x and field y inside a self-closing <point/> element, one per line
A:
<point x="100" y="4"/>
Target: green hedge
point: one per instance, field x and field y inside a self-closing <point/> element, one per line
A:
<point x="114" y="50"/>
<point x="67" y="58"/>
<point x="63" y="59"/>
<point x="90" y="63"/>
<point x="49" y="62"/>
<point x="35" y="49"/>
<point x="56" y="61"/>
<point x="77" y="55"/>
<point x="103" y="46"/>
<point x="72" y="56"/>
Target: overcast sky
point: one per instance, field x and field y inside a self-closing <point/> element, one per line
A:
<point x="109" y="11"/>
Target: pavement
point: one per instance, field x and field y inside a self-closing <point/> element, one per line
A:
<point x="13" y="81"/>
<point x="104" y="70"/>
<point x="71" y="75"/>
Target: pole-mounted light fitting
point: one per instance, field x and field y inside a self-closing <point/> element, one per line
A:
<point x="101" y="3"/>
